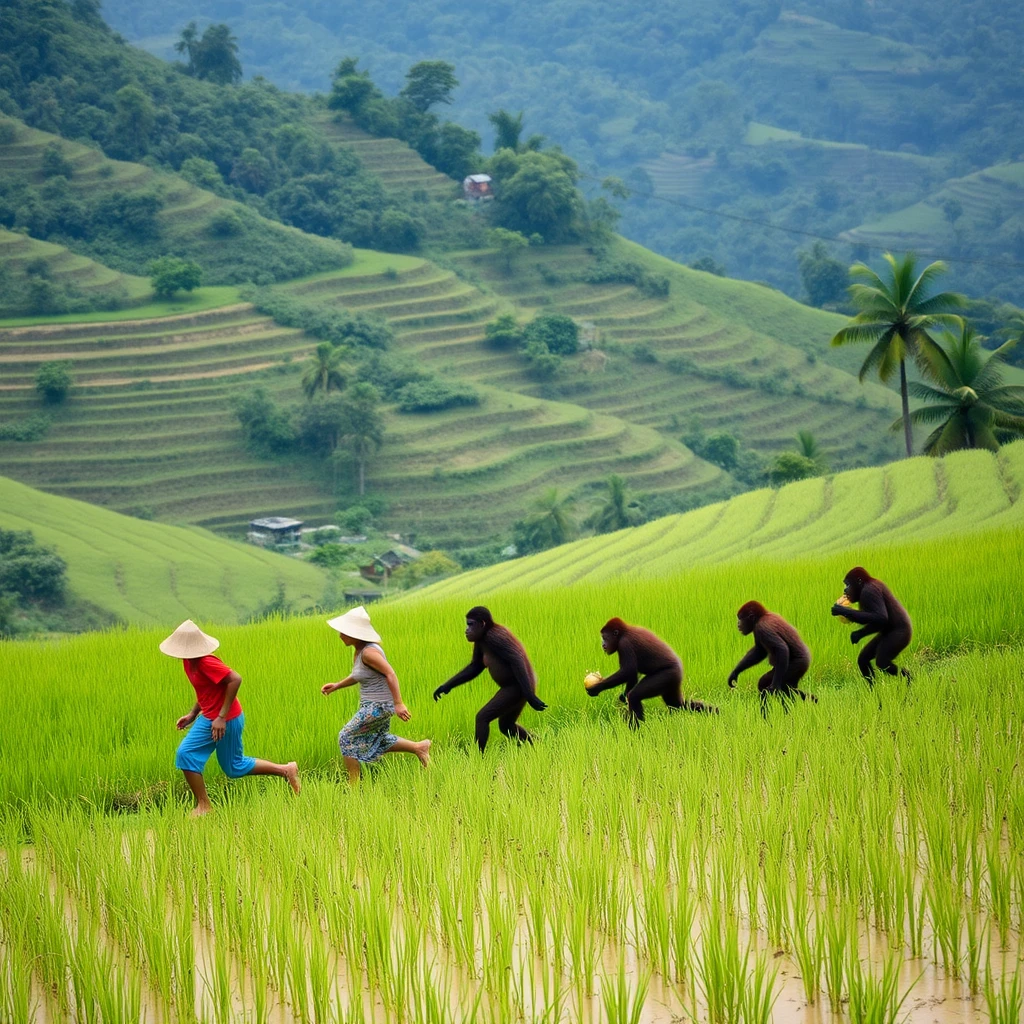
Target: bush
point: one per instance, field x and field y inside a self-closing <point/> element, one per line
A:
<point x="543" y="363"/>
<point x="432" y="565"/>
<point x="225" y="224"/>
<point x="398" y="231"/>
<point x="268" y="429"/>
<point x="54" y="381"/>
<point x="54" y="164"/>
<point x="29" y="571"/>
<point x="722" y="450"/>
<point x="31" y="429"/>
<point x="435" y="394"/>
<point x="170" y="274"/>
<point x="355" y="519"/>
<point x="789" y="466"/>
<point x="643" y="353"/>
<point x="555" y="331"/>
<point x="339" y="327"/>
<point x="332" y="556"/>
<point x="504" y="333"/>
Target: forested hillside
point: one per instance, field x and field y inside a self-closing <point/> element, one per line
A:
<point x="676" y="86"/>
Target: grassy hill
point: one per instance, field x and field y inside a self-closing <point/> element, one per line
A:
<point x="153" y="574"/>
<point x="189" y="222"/>
<point x="907" y="502"/>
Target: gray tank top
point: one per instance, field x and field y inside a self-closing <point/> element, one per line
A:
<point x="373" y="685"/>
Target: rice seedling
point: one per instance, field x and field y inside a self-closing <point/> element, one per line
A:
<point x="1004" y="999"/>
<point x="875" y="999"/>
<point x="623" y="1003"/>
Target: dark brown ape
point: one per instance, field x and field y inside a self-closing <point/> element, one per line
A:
<point x="641" y="653"/>
<point x="776" y="640"/>
<point x="497" y="650"/>
<point x="880" y="613"/>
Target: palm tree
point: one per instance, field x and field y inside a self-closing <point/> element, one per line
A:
<point x="618" y="511"/>
<point x="969" y="401"/>
<point x="896" y="316"/>
<point x="322" y="371"/>
<point x="807" y="445"/>
<point x="364" y="431"/>
<point x="188" y="44"/>
<point x="549" y="524"/>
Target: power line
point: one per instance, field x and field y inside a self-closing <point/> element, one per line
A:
<point x="834" y="239"/>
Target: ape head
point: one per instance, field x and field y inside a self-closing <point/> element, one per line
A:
<point x="747" y="616"/>
<point x="611" y="633"/>
<point x="854" y="582"/>
<point x="478" y="621"/>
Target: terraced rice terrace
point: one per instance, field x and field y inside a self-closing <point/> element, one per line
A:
<point x="919" y="499"/>
<point x="400" y="168"/>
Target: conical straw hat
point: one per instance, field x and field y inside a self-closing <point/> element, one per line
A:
<point x="355" y="624"/>
<point x="189" y="641"/>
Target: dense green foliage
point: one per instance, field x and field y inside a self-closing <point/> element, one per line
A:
<point x="170" y="275"/>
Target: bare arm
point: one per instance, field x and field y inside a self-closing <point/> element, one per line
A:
<point x="376" y="660"/>
<point x="186" y="720"/>
<point x="232" y="681"/>
<point x="471" y="671"/>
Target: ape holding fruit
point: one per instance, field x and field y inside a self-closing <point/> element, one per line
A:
<point x="496" y="649"/>
<point x="776" y="640"/>
<point x="641" y="653"/>
<point x="878" y="612"/>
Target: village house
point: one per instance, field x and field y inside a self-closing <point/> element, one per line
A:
<point x="477" y="187"/>
<point x="275" y="531"/>
<point x="381" y="568"/>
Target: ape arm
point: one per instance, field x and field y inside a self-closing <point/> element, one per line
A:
<point x="471" y="671"/>
<point x="873" y="615"/>
<point x="627" y="673"/>
<point x="525" y="684"/>
<point x="755" y="655"/>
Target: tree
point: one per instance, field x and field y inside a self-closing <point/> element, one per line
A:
<point x="556" y="331"/>
<point x="508" y="130"/>
<point x="133" y="121"/>
<point x="188" y="44"/>
<point x="536" y="193"/>
<point x="824" y="277"/>
<point x="215" y="56"/>
<point x="252" y="171"/>
<point x="323" y="371"/>
<point x="431" y="565"/>
<point x="53" y="381"/>
<point x="809" y="448"/>
<point x="321" y="423"/>
<point x="170" y="274"/>
<point x="789" y="466"/>
<point x="54" y="164"/>
<point x="267" y="428"/>
<point x="895" y="317"/>
<point x="456" y="150"/>
<point x="351" y="88"/>
<point x="504" y="332"/>
<point x="509" y="245"/>
<point x="721" y="449"/>
<point x="548" y="525"/>
<point x="969" y="401"/>
<point x="952" y="210"/>
<point x="429" y="82"/>
<point x="364" y="431"/>
<point x="618" y="511"/>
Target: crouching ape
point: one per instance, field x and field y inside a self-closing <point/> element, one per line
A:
<point x="496" y="649"/>
<point x="641" y="653"/>
<point x="776" y="640"/>
<point x="215" y="722"/>
<point x="880" y="613"/>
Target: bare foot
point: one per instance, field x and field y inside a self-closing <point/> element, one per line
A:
<point x="291" y="773"/>
<point x="423" y="752"/>
<point x="200" y="810"/>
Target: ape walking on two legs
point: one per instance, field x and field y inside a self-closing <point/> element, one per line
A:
<point x="776" y="640"/>
<point x="880" y="613"/>
<point x="641" y="653"/>
<point x="496" y="649"/>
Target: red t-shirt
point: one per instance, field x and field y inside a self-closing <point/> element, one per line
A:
<point x="207" y="675"/>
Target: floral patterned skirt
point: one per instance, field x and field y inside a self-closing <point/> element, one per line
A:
<point x="366" y="736"/>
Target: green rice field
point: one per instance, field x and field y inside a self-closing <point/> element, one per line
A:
<point x="857" y="860"/>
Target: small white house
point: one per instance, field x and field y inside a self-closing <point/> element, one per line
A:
<point x="477" y="187"/>
<point x="274" y="530"/>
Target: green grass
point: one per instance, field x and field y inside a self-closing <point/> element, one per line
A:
<point x="149" y="573"/>
<point x="707" y="855"/>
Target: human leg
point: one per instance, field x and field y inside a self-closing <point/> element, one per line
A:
<point x="352" y="764"/>
<point x="193" y="752"/>
<point x="236" y="764"/>
<point x="421" y="749"/>
<point x="198" y="786"/>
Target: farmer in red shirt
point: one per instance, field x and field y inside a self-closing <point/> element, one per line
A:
<point x="216" y="717"/>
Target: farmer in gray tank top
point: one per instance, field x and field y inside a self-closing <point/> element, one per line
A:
<point x="366" y="737"/>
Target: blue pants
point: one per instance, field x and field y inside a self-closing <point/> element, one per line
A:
<point x="198" y="744"/>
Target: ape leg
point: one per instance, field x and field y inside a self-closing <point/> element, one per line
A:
<point x="764" y="687"/>
<point x="507" y="723"/>
<point x="500" y="707"/>
<point x="666" y="684"/>
<point x="797" y="670"/>
<point x="866" y="656"/>
<point x="888" y="646"/>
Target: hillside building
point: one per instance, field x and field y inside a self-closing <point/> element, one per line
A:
<point x="477" y="187"/>
<point x="381" y="568"/>
<point x="275" y="531"/>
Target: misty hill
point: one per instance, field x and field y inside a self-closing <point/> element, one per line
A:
<point x="620" y="88"/>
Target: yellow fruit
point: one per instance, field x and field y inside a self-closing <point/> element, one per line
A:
<point x="592" y="679"/>
<point x="846" y="603"/>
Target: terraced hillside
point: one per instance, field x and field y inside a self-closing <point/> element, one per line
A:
<point x="185" y="221"/>
<point x="150" y="425"/>
<point x="153" y="574"/>
<point x="990" y="204"/>
<point x="711" y="349"/>
<point x="918" y="499"/>
<point x="399" y="167"/>
<point x="77" y="280"/>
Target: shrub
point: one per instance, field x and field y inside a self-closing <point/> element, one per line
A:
<point x="339" y="327"/>
<point x="225" y="224"/>
<point x="268" y="429"/>
<point x="543" y="363"/>
<point x="354" y="519"/>
<point x="332" y="556"/>
<point x="722" y="450"/>
<point x="54" y="164"/>
<point x="54" y="381"/>
<point x="435" y="394"/>
<point x="643" y="353"/>
<point x="558" y="333"/>
<point x="29" y="571"/>
<point x="31" y="429"/>
<point x="504" y="333"/>
<point x="789" y="466"/>
<point x="432" y="565"/>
